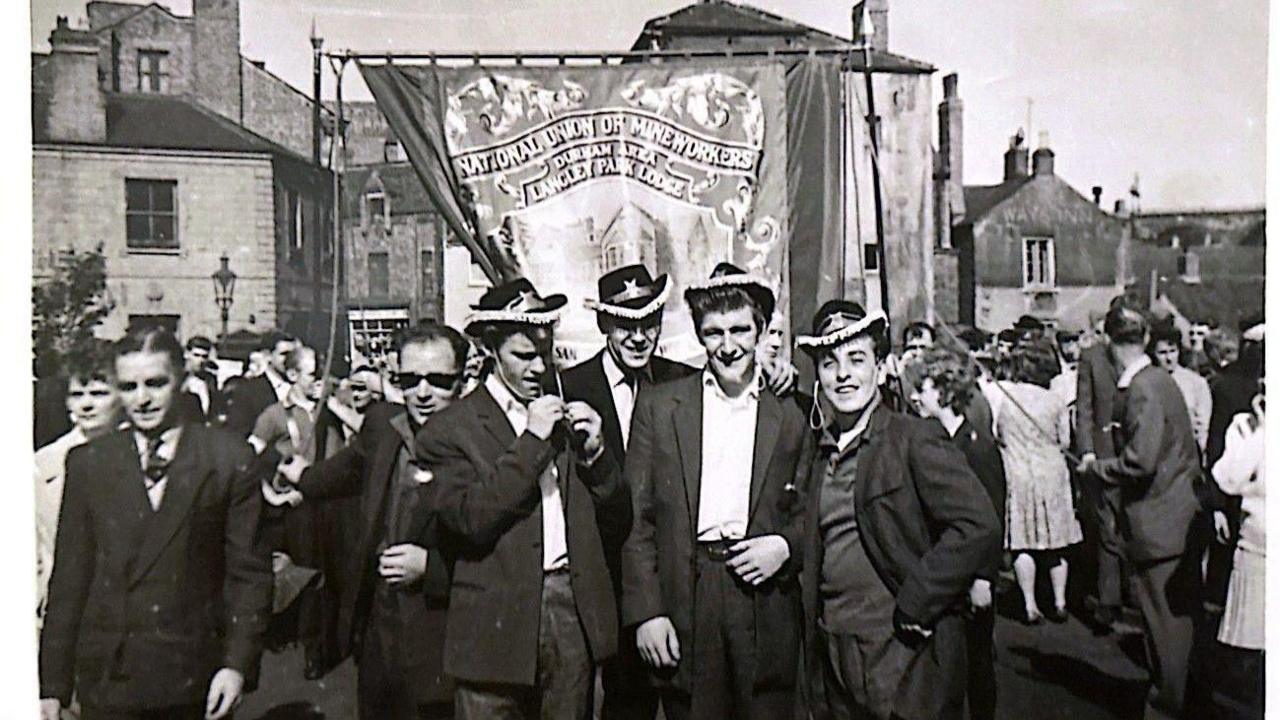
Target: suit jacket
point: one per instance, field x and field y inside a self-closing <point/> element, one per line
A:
<point x="488" y="501"/>
<point x="664" y="471"/>
<point x="246" y="402"/>
<point x="1095" y="400"/>
<point x="928" y="528"/>
<point x="367" y="468"/>
<point x="1156" y="469"/>
<point x="145" y="606"/>
<point x="984" y="458"/>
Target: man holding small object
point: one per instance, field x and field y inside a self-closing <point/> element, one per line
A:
<point x="522" y="485"/>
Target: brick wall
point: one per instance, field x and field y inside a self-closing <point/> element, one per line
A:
<point x="224" y="205"/>
<point x="216" y="42"/>
<point x="946" y="286"/>
<point x="275" y="110"/>
<point x="152" y="29"/>
<point x="409" y="237"/>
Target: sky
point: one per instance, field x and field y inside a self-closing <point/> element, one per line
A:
<point x="1172" y="92"/>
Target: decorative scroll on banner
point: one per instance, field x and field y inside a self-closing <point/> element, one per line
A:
<point x="570" y="172"/>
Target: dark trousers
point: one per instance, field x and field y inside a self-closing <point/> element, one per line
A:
<point x="1168" y="596"/>
<point x="180" y="712"/>
<point x="565" y="675"/>
<point x="385" y="689"/>
<point x="1239" y="683"/>
<point x="724" y="653"/>
<point x="980" y="641"/>
<point x="1103" y="501"/>
<point x="627" y="692"/>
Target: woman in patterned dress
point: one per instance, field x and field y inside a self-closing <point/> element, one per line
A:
<point x="1033" y="428"/>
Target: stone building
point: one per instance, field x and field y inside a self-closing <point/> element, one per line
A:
<point x="392" y="241"/>
<point x="1032" y="245"/>
<point x="154" y="139"/>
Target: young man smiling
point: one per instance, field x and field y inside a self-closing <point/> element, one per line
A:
<point x="897" y="529"/>
<point x="160" y="591"/>
<point x="716" y="466"/>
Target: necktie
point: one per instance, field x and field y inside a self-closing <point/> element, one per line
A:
<point x="155" y="465"/>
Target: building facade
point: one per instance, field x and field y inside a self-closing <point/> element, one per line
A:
<point x="140" y="148"/>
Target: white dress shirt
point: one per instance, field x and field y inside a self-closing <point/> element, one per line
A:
<point x="728" y="449"/>
<point x="624" y="396"/>
<point x="1131" y="370"/>
<point x="279" y="384"/>
<point x="555" y="549"/>
<point x="198" y="387"/>
<point x="1199" y="399"/>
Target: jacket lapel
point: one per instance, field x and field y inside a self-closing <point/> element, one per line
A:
<point x="768" y="424"/>
<point x="874" y="433"/>
<point x="186" y="473"/>
<point x="686" y="418"/>
<point x="493" y="419"/>
<point x="602" y="401"/>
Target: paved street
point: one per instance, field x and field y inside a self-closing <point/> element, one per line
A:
<point x="1047" y="672"/>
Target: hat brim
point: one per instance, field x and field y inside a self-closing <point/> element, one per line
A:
<point x="548" y="314"/>
<point x="813" y="344"/>
<point x="626" y="312"/>
<point x="758" y="288"/>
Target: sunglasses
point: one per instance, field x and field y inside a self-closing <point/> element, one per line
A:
<point x="441" y="381"/>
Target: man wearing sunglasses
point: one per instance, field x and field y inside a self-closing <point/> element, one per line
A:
<point x="392" y="606"/>
<point x="522" y="486"/>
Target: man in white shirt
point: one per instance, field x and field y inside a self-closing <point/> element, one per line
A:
<point x="717" y="465"/>
<point x="522" y="486"/>
<point x="1166" y="346"/>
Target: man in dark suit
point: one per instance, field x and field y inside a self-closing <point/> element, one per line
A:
<point x="161" y="590"/>
<point x="1157" y="464"/>
<point x="393" y="592"/>
<point x="897" y="529"/>
<point x="629" y="315"/>
<point x="200" y="400"/>
<point x="716" y="465"/>
<point x="522" y="487"/>
<point x="249" y="398"/>
<point x="1095" y="399"/>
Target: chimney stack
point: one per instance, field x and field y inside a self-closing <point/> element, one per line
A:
<point x="1042" y="162"/>
<point x="77" y="107"/>
<point x="1015" y="158"/>
<point x="217" y="56"/>
<point x="1097" y="195"/>
<point x="877" y="12"/>
<point x="951" y="144"/>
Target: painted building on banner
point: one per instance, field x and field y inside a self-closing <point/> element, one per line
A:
<point x="1033" y="245"/>
<point x="155" y="140"/>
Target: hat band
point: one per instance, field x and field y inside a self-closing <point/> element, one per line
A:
<point x="636" y="292"/>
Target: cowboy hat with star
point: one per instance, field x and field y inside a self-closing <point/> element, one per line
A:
<point x="838" y="321"/>
<point x="630" y="293"/>
<point x="514" y="302"/>
<point x="728" y="275"/>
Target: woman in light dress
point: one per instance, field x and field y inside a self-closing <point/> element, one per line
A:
<point x="1033" y="428"/>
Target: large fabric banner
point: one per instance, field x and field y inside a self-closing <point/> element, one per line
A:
<point x="565" y="173"/>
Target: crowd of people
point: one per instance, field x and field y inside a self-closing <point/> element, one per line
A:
<point x="485" y="532"/>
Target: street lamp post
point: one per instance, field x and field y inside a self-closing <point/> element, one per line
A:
<point x="224" y="286"/>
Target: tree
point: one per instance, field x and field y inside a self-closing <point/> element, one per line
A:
<point x="66" y="308"/>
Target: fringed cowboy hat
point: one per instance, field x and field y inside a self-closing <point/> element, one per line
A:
<point x="514" y="302"/>
<point x="838" y="321"/>
<point x="727" y="275"/>
<point x="630" y="293"/>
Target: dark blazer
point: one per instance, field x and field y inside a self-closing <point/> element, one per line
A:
<point x="145" y="606"/>
<point x="246" y="402"/>
<point x="1156" y="469"/>
<point x="1095" y="399"/>
<point x="488" y="502"/>
<point x="366" y="468"/>
<point x="664" y="471"/>
<point x="985" y="461"/>
<point x="928" y="528"/>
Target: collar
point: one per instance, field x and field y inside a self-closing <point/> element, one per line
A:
<point x="277" y="382"/>
<point x="709" y="380"/>
<point x="168" y="441"/>
<point x="506" y="400"/>
<point x="859" y="431"/>
<point x="612" y="372"/>
<point x="1131" y="370"/>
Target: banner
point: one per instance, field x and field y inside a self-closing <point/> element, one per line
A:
<point x="570" y="172"/>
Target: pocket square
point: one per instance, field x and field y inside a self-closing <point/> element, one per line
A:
<point x="422" y="476"/>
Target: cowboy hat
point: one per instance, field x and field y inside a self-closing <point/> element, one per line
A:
<point x="630" y="293"/>
<point x="728" y="275"/>
<point x="838" y="321"/>
<point x="514" y="302"/>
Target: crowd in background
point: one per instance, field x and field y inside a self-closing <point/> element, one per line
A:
<point x="1047" y="419"/>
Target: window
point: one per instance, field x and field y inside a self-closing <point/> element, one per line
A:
<point x="428" y="269"/>
<point x="371" y="332"/>
<point x="164" y="322"/>
<point x="393" y="151"/>
<point x="151" y="216"/>
<point x="1038" y="263"/>
<point x="297" y="226"/>
<point x="1189" y="267"/>
<point x="871" y="257"/>
<point x="153" y="71"/>
<point x="375" y="206"/>
<point x="379" y="274"/>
